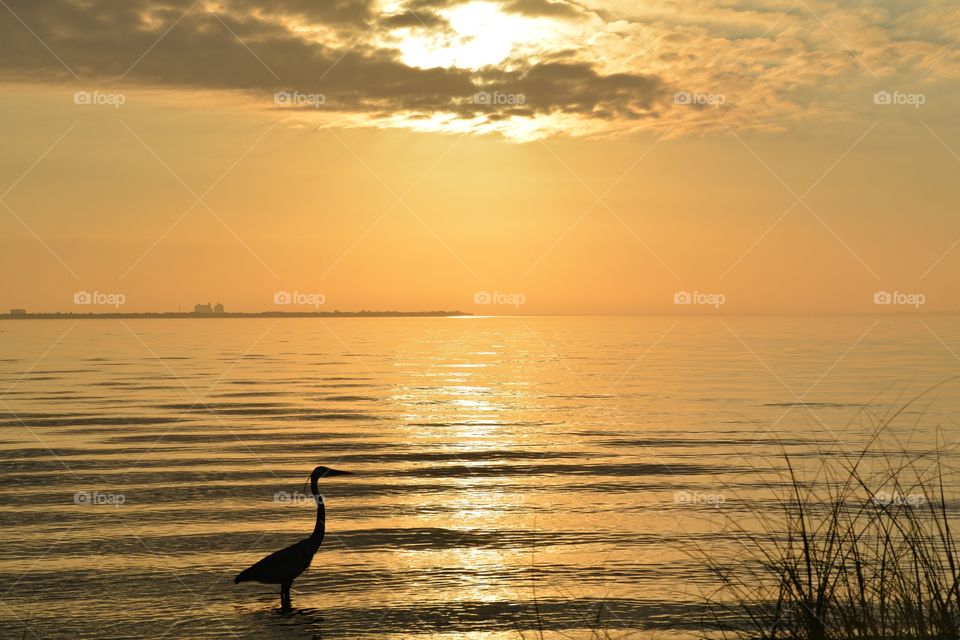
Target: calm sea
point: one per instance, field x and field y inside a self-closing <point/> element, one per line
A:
<point x="512" y="474"/>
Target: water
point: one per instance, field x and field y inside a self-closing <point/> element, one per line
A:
<point x="511" y="473"/>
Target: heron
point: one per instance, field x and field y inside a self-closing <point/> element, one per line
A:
<point x="284" y="566"/>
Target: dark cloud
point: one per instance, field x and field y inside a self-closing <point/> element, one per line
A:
<point x="245" y="48"/>
<point x="547" y="8"/>
<point x="578" y="88"/>
<point x="330" y="12"/>
<point x="532" y="8"/>
<point x="414" y="19"/>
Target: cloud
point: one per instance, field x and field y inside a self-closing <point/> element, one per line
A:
<point x="355" y="13"/>
<point x="580" y="69"/>
<point x="418" y="19"/>
<point x="576" y="88"/>
<point x="255" y="51"/>
<point x="550" y="8"/>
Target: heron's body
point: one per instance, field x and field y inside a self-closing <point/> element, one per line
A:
<point x="284" y="566"/>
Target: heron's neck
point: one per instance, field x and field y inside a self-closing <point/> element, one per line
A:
<point x="319" y="527"/>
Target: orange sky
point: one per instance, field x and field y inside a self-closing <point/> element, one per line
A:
<point x="594" y="186"/>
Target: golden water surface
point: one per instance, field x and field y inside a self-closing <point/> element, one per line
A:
<point x="512" y="474"/>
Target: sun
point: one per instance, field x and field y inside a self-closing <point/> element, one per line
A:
<point x="482" y="35"/>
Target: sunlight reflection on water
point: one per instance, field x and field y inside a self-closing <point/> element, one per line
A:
<point x="496" y="459"/>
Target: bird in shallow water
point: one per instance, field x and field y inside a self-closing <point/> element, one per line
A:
<point x="282" y="567"/>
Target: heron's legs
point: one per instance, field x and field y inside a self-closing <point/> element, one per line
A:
<point x="285" y="596"/>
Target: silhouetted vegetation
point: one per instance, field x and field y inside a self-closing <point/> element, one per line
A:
<point x="865" y="548"/>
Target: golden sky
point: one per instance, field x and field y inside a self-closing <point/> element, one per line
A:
<point x="570" y="157"/>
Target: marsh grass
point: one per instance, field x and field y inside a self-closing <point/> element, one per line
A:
<point x="866" y="548"/>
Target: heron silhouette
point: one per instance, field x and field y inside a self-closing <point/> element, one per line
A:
<point x="284" y="566"/>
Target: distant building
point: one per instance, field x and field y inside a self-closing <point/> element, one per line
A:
<point x="202" y="308"/>
<point x="218" y="308"/>
<point x="18" y="312"/>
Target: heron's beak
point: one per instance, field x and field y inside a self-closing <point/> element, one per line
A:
<point x="336" y="472"/>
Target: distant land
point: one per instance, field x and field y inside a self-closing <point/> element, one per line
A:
<point x="21" y="315"/>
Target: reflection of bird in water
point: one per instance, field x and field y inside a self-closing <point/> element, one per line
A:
<point x="282" y="567"/>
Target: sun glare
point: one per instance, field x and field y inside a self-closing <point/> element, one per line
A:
<point x="483" y="35"/>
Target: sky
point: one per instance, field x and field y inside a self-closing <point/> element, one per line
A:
<point x="494" y="157"/>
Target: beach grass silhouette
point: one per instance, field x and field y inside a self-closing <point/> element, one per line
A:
<point x="865" y="548"/>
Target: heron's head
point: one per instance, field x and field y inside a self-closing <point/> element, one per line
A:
<point x="324" y="472"/>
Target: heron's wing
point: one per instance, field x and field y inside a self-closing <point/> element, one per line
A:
<point x="280" y="566"/>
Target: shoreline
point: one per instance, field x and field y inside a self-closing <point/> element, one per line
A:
<point x="176" y="315"/>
